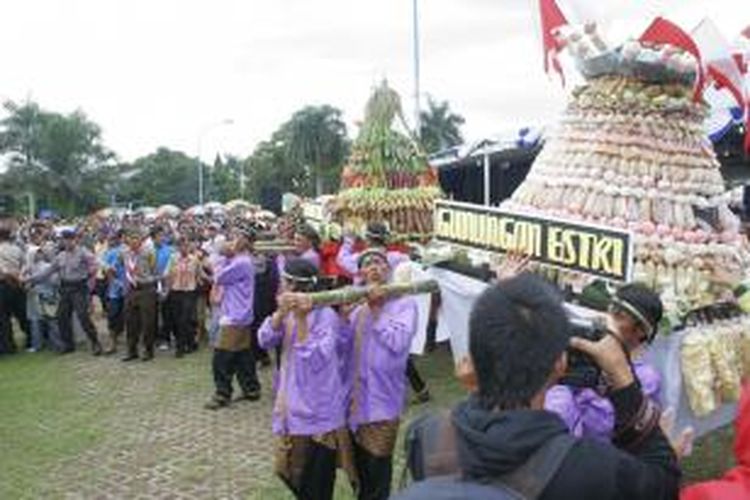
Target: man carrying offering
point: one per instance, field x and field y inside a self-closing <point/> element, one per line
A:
<point x="310" y="407"/>
<point x="235" y="273"/>
<point x="380" y="332"/>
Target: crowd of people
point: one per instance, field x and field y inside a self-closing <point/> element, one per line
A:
<point x="340" y="381"/>
<point x="152" y="281"/>
<point x="242" y="286"/>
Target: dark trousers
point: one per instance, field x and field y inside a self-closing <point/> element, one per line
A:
<point x="116" y="315"/>
<point x="318" y="474"/>
<point x="374" y="474"/>
<point x="167" y="320"/>
<point x="12" y="304"/>
<point x="74" y="297"/>
<point x="183" y="307"/>
<point x="140" y="322"/>
<point x="115" y="320"/>
<point x="227" y="364"/>
<point x="415" y="379"/>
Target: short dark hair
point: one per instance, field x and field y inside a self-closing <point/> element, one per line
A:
<point x="517" y="330"/>
<point x="377" y="233"/>
<point x="311" y="234"/>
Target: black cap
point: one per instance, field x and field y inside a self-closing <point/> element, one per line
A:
<point x="302" y="272"/>
<point x="377" y="231"/>
<point x="370" y="252"/>
<point x="643" y="304"/>
<point x="247" y="232"/>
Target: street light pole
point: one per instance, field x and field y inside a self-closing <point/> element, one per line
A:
<point x="203" y="132"/>
<point x="417" y="117"/>
<point x="200" y="174"/>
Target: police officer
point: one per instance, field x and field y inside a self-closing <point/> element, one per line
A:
<point x="77" y="266"/>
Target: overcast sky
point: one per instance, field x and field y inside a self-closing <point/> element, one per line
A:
<point x="166" y="72"/>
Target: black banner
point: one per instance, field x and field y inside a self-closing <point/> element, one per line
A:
<point x="603" y="252"/>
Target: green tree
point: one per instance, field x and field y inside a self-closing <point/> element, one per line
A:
<point x="440" y="127"/>
<point x="315" y="139"/>
<point x="164" y="176"/>
<point x="226" y="179"/>
<point x="269" y="167"/>
<point x="54" y="156"/>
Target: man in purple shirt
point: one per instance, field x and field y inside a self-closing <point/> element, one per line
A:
<point x="306" y="246"/>
<point x="377" y="236"/>
<point x="307" y="243"/>
<point x="235" y="273"/>
<point x="310" y="408"/>
<point x="380" y="332"/>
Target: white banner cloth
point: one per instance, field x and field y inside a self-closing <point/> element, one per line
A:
<point x="458" y="293"/>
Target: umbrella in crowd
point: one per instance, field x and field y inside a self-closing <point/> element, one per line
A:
<point x="214" y="206"/>
<point x="168" y="210"/>
<point x="239" y="204"/>
<point x="195" y="210"/>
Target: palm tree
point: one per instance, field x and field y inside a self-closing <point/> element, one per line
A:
<point x="315" y="138"/>
<point x="440" y="127"/>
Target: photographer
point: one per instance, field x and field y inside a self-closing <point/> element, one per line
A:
<point x="634" y="315"/>
<point x="501" y="443"/>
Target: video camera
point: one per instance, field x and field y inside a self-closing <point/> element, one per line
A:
<point x="582" y="370"/>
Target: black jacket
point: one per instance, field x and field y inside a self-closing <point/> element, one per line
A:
<point x="491" y="444"/>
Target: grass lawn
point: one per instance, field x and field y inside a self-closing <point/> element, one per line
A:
<point x="38" y="397"/>
<point x="59" y="421"/>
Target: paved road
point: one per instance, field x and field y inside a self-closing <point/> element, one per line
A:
<point x="159" y="443"/>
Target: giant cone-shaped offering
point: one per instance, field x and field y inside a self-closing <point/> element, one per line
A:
<point x="388" y="178"/>
<point x="630" y="152"/>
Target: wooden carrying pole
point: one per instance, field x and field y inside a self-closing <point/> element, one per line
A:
<point x="350" y="295"/>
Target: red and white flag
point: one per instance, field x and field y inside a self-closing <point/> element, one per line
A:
<point x="744" y="63"/>
<point x="552" y="19"/>
<point x="719" y="62"/>
<point x="662" y="31"/>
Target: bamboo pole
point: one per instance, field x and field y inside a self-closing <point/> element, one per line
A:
<point x="350" y="295"/>
<point x="273" y="248"/>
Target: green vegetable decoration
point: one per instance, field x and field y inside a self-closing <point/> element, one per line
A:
<point x="350" y="295"/>
<point x="388" y="178"/>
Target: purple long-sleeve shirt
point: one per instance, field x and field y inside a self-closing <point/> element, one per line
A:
<point x="378" y="384"/>
<point x="347" y="257"/>
<point x="588" y="414"/>
<point x="236" y="276"/>
<point x="309" y="379"/>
